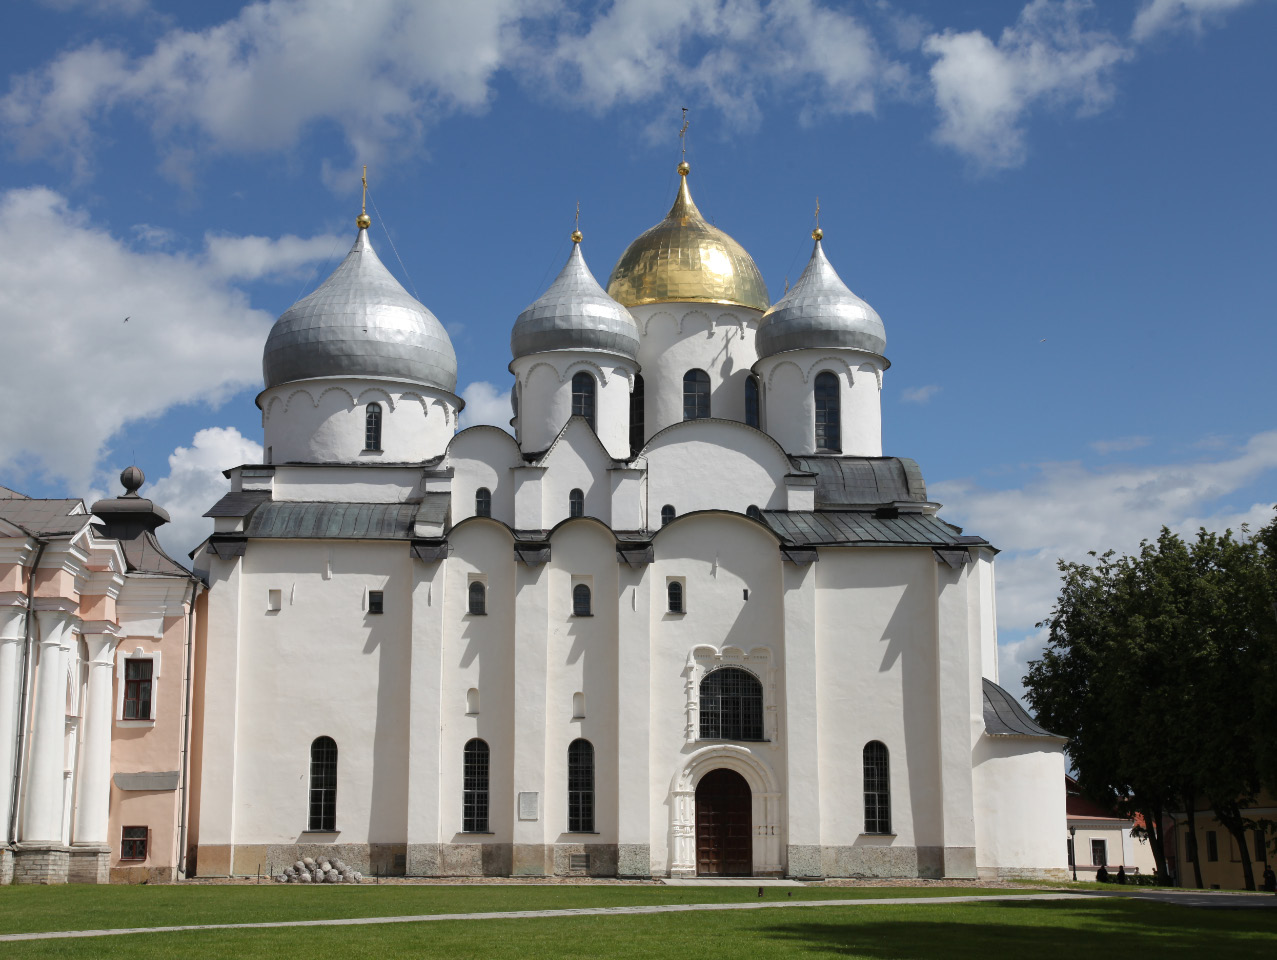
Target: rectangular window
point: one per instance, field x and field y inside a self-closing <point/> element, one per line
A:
<point x="1188" y="848"/>
<point x="137" y="689"/>
<point x="376" y="599"/>
<point x="274" y="600"/>
<point x="1212" y="846"/>
<point x="1099" y="853"/>
<point x="1069" y="841"/>
<point x="133" y="843"/>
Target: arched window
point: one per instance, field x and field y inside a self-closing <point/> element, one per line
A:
<point x="578" y="706"/>
<point x="372" y="427"/>
<point x="478" y="598"/>
<point x="580" y="787"/>
<point x="576" y="504"/>
<point x="636" y="416"/>
<point x="752" y="418"/>
<point x="483" y="502"/>
<point x="583" y="397"/>
<point x="877" y="788"/>
<point x="581" y="600"/>
<point x="695" y="395"/>
<point x="474" y="799"/>
<point x="323" y="785"/>
<point x="731" y="705"/>
<point x="472" y="701"/>
<point x="667" y="514"/>
<point x="674" y="594"/>
<point x="753" y="512"/>
<point x="828" y="414"/>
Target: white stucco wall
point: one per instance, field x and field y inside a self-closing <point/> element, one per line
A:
<point x="544" y="385"/>
<point x="789" y="400"/>
<point x="1020" y="818"/>
<point x="714" y="465"/>
<point x="323" y="420"/>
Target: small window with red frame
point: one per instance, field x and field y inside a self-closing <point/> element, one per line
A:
<point x="133" y="843"/>
<point x="137" y="689"/>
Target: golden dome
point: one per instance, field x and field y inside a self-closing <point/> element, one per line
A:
<point x="683" y="258"/>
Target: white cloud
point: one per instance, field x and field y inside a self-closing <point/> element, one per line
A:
<point x="74" y="372"/>
<point x="381" y="70"/>
<point x="984" y="90"/>
<point x="920" y="394"/>
<point x="1068" y="509"/>
<point x="252" y="258"/>
<point x="1165" y="16"/>
<point x="485" y="404"/>
<point x="195" y="482"/>
<point x="121" y="8"/>
<point x="1120" y="444"/>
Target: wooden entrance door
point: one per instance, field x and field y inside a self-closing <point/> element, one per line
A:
<point x="724" y="825"/>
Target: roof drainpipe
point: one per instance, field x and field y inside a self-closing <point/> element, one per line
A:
<point x="186" y="731"/>
<point x="23" y="698"/>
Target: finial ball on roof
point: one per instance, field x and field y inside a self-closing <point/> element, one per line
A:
<point x="363" y="221"/>
<point x="132" y="479"/>
<point x="684" y="168"/>
<point x="817" y="234"/>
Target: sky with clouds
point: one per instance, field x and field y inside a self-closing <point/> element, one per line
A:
<point x="1063" y="210"/>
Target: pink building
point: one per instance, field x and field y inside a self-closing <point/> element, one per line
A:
<point x="96" y="640"/>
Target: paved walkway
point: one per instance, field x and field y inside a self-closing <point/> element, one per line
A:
<point x="529" y="914"/>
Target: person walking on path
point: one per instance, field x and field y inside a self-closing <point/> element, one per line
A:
<point x="1121" y="873"/>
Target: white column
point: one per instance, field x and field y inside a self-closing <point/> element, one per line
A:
<point x="955" y="621"/>
<point x="531" y="624"/>
<point x="634" y="722"/>
<point x="12" y="623"/>
<point x="45" y="787"/>
<point x="93" y="792"/>
<point x="801" y="694"/>
<point x="425" y="720"/>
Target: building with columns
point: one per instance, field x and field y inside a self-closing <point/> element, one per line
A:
<point x="686" y="619"/>
<point x="96" y="627"/>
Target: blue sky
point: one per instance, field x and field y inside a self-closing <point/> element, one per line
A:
<point x="1063" y="211"/>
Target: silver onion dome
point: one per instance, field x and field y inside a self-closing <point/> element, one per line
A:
<point x="360" y="323"/>
<point x="575" y="314"/>
<point x="820" y="312"/>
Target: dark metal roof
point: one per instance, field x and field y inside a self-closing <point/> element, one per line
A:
<point x="850" y="481"/>
<point x="310" y="520"/>
<point x="434" y="508"/>
<point x="843" y="527"/>
<point x="1004" y="717"/>
<point x="238" y="504"/>
<point x="44" y="518"/>
<point x="144" y="554"/>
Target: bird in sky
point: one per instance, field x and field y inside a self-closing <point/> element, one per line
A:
<point x="126" y="319"/>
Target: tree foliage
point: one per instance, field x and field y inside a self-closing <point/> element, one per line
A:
<point x="1160" y="669"/>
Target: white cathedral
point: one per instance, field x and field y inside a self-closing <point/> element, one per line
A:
<point x="688" y="620"/>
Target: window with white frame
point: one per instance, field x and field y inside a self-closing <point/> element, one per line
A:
<point x="137" y="677"/>
<point x="1099" y="852"/>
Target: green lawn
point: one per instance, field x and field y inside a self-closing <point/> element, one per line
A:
<point x="974" y="931"/>
<point x="28" y="909"/>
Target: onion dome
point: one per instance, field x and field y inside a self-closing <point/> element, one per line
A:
<point x="685" y="259"/>
<point x="819" y="312"/>
<point x="575" y="314"/>
<point x="360" y="323"/>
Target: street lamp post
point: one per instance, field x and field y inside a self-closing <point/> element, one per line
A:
<point x="1073" y="851"/>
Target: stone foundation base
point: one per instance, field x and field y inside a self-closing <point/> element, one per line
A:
<point x="880" y="860"/>
<point x="142" y="875"/>
<point x="6" y="867"/>
<point x="89" y="864"/>
<point x="41" y="863"/>
<point x="430" y="859"/>
<point x="1024" y="873"/>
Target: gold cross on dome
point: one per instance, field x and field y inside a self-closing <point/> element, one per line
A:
<point x="682" y="135"/>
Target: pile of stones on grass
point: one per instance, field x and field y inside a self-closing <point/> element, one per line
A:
<point x="319" y="871"/>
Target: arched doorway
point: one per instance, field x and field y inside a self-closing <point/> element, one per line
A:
<point x="724" y="827"/>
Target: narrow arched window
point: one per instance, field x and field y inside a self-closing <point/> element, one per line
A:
<point x="576" y="504"/>
<point x="581" y="601"/>
<point x="483" y="502"/>
<point x="828" y="414"/>
<point x="636" y="416"/>
<point x="674" y="596"/>
<point x="474" y="800"/>
<point x="753" y="512"/>
<point x="667" y="514"/>
<point x="580" y="787"/>
<point x="877" y="788"/>
<point x="583" y="397"/>
<point x="731" y="705"/>
<point x="323" y="785"/>
<point x="478" y="598"/>
<point x="752" y="418"/>
<point x="372" y="427"/>
<point x="695" y="395"/>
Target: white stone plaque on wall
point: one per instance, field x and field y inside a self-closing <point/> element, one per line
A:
<point x="527" y="805"/>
